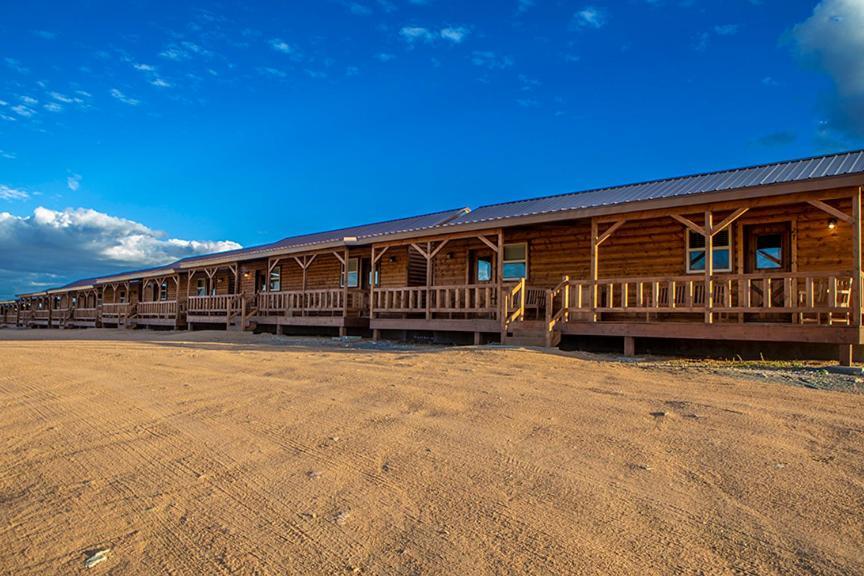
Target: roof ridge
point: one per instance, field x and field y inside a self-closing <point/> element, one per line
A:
<point x="673" y="178"/>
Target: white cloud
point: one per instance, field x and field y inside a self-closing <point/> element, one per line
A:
<point x="455" y="34"/>
<point x="281" y="46"/>
<point x="16" y="65"/>
<point x="22" y="110"/>
<point x="589" y="17"/>
<point x="9" y="193"/>
<point x="384" y="57"/>
<point x="726" y="29"/>
<point x="412" y="34"/>
<point x="8" y="155"/>
<point x="420" y="34"/>
<point x="53" y="107"/>
<point x="51" y="247"/>
<point x="73" y="182"/>
<point x="144" y="67"/>
<point x="119" y="95"/>
<point x="833" y="39"/>
<point x="159" y="82"/>
<point x="490" y="60"/>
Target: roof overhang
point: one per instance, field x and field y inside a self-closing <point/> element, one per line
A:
<point x="624" y="208"/>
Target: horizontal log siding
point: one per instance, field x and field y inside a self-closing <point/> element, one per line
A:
<point x="247" y="275"/>
<point x="394" y="274"/>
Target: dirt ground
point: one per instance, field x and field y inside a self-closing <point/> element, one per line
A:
<point x="212" y="453"/>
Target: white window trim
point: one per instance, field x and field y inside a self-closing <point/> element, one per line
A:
<point x="346" y="269"/>
<point x="705" y="249"/>
<point x="200" y="286"/>
<point x="163" y="287"/>
<point x="505" y="262"/>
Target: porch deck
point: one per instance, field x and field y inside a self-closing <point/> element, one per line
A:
<point x="114" y="314"/>
<point x="455" y="308"/>
<point x="83" y="318"/>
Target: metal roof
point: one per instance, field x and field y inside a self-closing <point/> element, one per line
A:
<point x="351" y="235"/>
<point x="763" y="175"/>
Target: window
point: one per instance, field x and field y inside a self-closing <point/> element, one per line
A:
<point x="374" y="278"/>
<point x="515" y="261"/>
<point x="769" y="252"/>
<point x="484" y="269"/>
<point x="201" y="287"/>
<point x="353" y="273"/>
<point x="275" y="284"/>
<point x="696" y="252"/>
<point x="163" y="291"/>
<point x="122" y="297"/>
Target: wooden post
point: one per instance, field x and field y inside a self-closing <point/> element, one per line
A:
<point x="856" y="257"/>
<point x="345" y="290"/>
<point x="499" y="270"/>
<point x="629" y="346"/>
<point x="845" y="356"/>
<point x="372" y="277"/>
<point x="594" y="271"/>
<point x="709" y="266"/>
<point x="428" y="281"/>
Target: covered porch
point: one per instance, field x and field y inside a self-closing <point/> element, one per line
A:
<point x="213" y="296"/>
<point x="159" y="304"/>
<point x="785" y="269"/>
<point x="327" y="288"/>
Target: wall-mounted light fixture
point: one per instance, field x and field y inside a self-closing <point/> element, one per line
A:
<point x="832" y="223"/>
<point x="392" y="259"/>
<point x="449" y="256"/>
<point x="246" y="275"/>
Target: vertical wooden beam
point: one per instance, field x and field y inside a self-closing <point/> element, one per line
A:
<point x="372" y="276"/>
<point x="428" y="281"/>
<point x="594" y="270"/>
<point x="345" y="289"/>
<point x="709" y="266"/>
<point x="629" y="346"/>
<point x="499" y="270"/>
<point x="856" y="257"/>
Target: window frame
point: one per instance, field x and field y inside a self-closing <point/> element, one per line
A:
<point x="201" y="286"/>
<point x="276" y="273"/>
<point x="163" y="291"/>
<point x="727" y="247"/>
<point x="504" y="262"/>
<point x="346" y="271"/>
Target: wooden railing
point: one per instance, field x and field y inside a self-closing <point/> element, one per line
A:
<point x="823" y="298"/>
<point x="84" y="314"/>
<point x="116" y="310"/>
<point x="166" y="309"/>
<point x="222" y="305"/>
<point x="469" y="299"/>
<point x="318" y="301"/>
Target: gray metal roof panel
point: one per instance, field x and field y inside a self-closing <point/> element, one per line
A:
<point x="774" y="173"/>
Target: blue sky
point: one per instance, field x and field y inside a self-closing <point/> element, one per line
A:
<point x="134" y="133"/>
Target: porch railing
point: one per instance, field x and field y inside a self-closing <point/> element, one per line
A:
<point x="166" y="309"/>
<point x="469" y="299"/>
<point x="805" y="297"/>
<point x="317" y="301"/>
<point x="88" y="314"/>
<point x="221" y="305"/>
<point x="114" y="310"/>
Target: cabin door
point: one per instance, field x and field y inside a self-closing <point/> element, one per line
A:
<point x="768" y="251"/>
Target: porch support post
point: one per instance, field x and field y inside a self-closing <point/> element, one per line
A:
<point x="845" y="356"/>
<point x="594" y="271"/>
<point x="629" y="346"/>
<point x="856" y="257"/>
<point x="499" y="263"/>
<point x="709" y="267"/>
<point x="372" y="277"/>
<point x="343" y="330"/>
<point x="428" y="280"/>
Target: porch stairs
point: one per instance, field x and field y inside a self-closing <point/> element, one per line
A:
<point x="529" y="333"/>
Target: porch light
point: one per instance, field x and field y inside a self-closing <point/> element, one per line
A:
<point x="832" y="223"/>
<point x="392" y="259"/>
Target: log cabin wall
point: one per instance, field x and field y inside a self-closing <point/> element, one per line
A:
<point x="248" y="272"/>
<point x="394" y="266"/>
<point x="452" y="266"/>
<point x="324" y="272"/>
<point x="658" y="246"/>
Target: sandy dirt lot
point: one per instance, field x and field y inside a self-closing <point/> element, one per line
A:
<point x="264" y="455"/>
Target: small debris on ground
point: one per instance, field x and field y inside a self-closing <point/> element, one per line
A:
<point x="341" y="518"/>
<point x="97" y="558"/>
<point x="313" y="474"/>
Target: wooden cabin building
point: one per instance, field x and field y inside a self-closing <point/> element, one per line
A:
<point x="8" y="313"/>
<point x="769" y="253"/>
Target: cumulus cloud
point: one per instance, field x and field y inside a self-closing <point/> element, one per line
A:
<point x="73" y="182"/>
<point x="56" y="246"/>
<point x="281" y="46"/>
<point x="833" y="39"/>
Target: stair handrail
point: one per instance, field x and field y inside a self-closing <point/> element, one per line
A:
<point x="553" y="317"/>
<point x="518" y="310"/>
